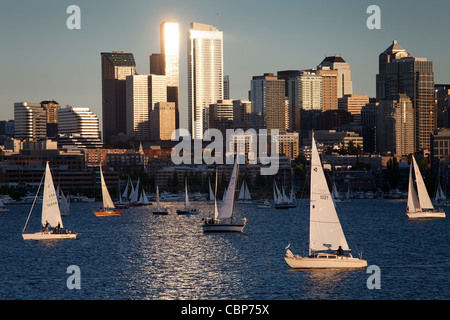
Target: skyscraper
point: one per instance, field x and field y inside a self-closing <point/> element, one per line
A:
<point x="167" y="62"/>
<point x="205" y="74"/>
<point x="269" y="104"/>
<point x="399" y="73"/>
<point x="344" y="81"/>
<point x="51" y="108"/>
<point x="116" y="66"/>
<point x="143" y="91"/>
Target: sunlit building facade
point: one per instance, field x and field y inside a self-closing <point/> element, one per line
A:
<point x="205" y="74"/>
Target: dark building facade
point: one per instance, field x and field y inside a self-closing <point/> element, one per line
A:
<point x="116" y="66"/>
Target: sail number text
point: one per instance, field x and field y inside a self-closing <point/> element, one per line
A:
<point x="324" y="196"/>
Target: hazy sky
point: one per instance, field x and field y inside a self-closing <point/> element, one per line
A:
<point x="41" y="59"/>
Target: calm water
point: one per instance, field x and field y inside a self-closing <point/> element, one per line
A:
<point x="143" y="256"/>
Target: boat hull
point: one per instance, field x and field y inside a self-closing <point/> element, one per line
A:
<point x="337" y="262"/>
<point x="181" y="212"/>
<point x="160" y="212"/>
<point x="438" y="214"/>
<point x="48" y="236"/>
<point x="108" y="213"/>
<point x="223" y="227"/>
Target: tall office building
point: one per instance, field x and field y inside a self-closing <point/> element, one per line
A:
<point x="344" y="80"/>
<point x="116" y="66"/>
<point x="329" y="88"/>
<point x="305" y="94"/>
<point x="30" y="121"/>
<point x="162" y="121"/>
<point x="400" y="73"/>
<point x="205" y="74"/>
<point x="267" y="96"/>
<point x="143" y="91"/>
<point x="395" y="125"/>
<point x="353" y="103"/>
<point x="51" y="108"/>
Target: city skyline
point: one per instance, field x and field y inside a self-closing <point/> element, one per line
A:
<point x="45" y="60"/>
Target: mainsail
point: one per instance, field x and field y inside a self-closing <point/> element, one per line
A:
<point x="50" y="207"/>
<point x="107" y="201"/>
<point x="325" y="229"/>
<point x="226" y="210"/>
<point x="424" y="198"/>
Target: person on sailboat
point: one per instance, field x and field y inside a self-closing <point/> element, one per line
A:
<point x="339" y="252"/>
<point x="46" y="226"/>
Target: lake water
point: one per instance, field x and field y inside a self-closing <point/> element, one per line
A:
<point x="144" y="256"/>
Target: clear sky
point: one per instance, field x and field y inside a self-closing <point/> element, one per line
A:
<point x="41" y="59"/>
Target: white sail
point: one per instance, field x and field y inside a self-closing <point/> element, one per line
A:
<point x="292" y="198"/>
<point x="186" y="197"/>
<point x="275" y="195"/>
<point x="413" y="202"/>
<point x="125" y="192"/>
<point x="211" y="194"/>
<point x="325" y="229"/>
<point x="440" y="195"/>
<point x="226" y="210"/>
<point x="107" y="201"/>
<point x="144" y="197"/>
<point x="242" y="191"/>
<point x="424" y="198"/>
<point x="335" y="192"/>
<point x="134" y="195"/>
<point x="216" y="212"/>
<point x="64" y="205"/>
<point x="157" y="199"/>
<point x="50" y="207"/>
<point x="247" y="195"/>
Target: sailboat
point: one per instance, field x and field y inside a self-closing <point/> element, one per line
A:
<point x="187" y="206"/>
<point x="108" y="206"/>
<point x="144" y="199"/>
<point x="159" y="210"/>
<point x="51" y="216"/>
<point x="211" y="194"/>
<point x="419" y="205"/>
<point x="64" y="206"/>
<point x="281" y="200"/>
<point x="226" y="210"/>
<point x="244" y="194"/>
<point x="325" y="230"/>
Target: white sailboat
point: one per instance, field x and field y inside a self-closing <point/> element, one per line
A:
<point x="419" y="205"/>
<point x="64" y="206"/>
<point x="144" y="199"/>
<point x="226" y="210"/>
<point x="325" y="229"/>
<point x="187" y="205"/>
<point x="159" y="210"/>
<point x="51" y="216"/>
<point x="281" y="200"/>
<point x="244" y="194"/>
<point x="108" y="205"/>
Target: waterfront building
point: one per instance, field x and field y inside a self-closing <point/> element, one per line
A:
<point x="30" y="120"/>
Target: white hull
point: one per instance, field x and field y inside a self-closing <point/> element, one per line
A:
<point x="224" y="227"/>
<point x="438" y="214"/>
<point x="48" y="236"/>
<point x="244" y="201"/>
<point x="330" y="262"/>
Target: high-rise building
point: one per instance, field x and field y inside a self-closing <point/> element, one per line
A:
<point x="30" y="121"/>
<point x="51" y="108"/>
<point x="116" y="66"/>
<point x="143" y="92"/>
<point x="344" y="80"/>
<point x="329" y="88"/>
<point x="78" y="127"/>
<point x="395" y="125"/>
<point x="226" y="87"/>
<point x="353" y="103"/>
<point x="304" y="93"/>
<point x="162" y="121"/>
<point x="401" y="73"/>
<point x="205" y="74"/>
<point x="267" y="96"/>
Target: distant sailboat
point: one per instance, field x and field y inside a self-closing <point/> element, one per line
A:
<point x="144" y="199"/>
<point x="51" y="215"/>
<point x="64" y="205"/>
<point x="226" y="211"/>
<point x="187" y="205"/>
<point x="159" y="210"/>
<point x="325" y="229"/>
<point x="212" y="197"/>
<point x="281" y="200"/>
<point x="108" y="206"/>
<point x="244" y="194"/>
<point x="419" y="205"/>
